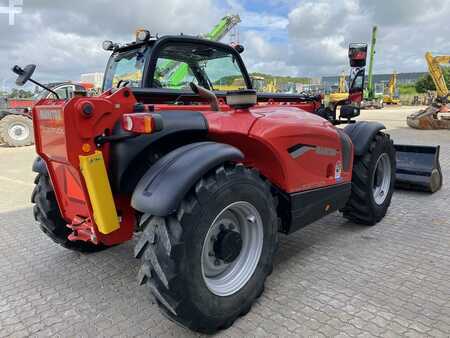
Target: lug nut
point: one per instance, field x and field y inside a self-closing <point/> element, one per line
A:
<point x="251" y="219"/>
<point x="216" y="262"/>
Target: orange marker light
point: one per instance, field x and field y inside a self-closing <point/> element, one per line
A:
<point x="142" y="123"/>
<point x="86" y="147"/>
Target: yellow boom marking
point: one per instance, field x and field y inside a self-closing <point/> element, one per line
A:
<point x="100" y="194"/>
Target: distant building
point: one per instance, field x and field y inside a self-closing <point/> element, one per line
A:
<point x="95" y="78"/>
<point x="402" y="78"/>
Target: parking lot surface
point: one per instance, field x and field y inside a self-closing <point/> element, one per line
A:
<point x="334" y="278"/>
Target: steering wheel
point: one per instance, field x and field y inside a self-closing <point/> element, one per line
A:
<point x="157" y="83"/>
<point x="122" y="83"/>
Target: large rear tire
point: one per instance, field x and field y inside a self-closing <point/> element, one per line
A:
<point x="47" y="214"/>
<point x="372" y="182"/>
<point x="16" y="130"/>
<point x="207" y="263"/>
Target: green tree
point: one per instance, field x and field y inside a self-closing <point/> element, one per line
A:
<point x="20" y="94"/>
<point x="426" y="83"/>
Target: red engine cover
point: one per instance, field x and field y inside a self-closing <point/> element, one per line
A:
<point x="294" y="149"/>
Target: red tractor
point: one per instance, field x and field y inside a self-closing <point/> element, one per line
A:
<point x="207" y="178"/>
<point x="16" y="127"/>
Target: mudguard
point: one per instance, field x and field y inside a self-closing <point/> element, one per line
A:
<point x="161" y="190"/>
<point x="361" y="134"/>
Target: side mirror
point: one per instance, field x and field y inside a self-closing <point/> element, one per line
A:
<point x="349" y="111"/>
<point x="24" y="74"/>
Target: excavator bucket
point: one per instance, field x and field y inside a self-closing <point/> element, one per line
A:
<point x="433" y="117"/>
<point x="418" y="168"/>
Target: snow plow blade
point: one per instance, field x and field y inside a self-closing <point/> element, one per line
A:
<point x="418" y="168"/>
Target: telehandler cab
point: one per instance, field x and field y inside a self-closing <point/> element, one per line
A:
<point x="208" y="178"/>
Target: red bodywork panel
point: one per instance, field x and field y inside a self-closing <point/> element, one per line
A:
<point x="268" y="135"/>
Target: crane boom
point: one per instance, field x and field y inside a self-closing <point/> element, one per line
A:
<point x="180" y="71"/>
<point x="226" y="24"/>
<point x="370" y="86"/>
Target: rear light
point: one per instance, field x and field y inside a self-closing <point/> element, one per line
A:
<point x="142" y="123"/>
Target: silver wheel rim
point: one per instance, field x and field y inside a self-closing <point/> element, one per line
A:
<point x="18" y="132"/>
<point x="224" y="279"/>
<point x="381" y="178"/>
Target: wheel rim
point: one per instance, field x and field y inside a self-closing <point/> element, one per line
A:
<point x="226" y="278"/>
<point x="381" y="178"/>
<point x="18" y="131"/>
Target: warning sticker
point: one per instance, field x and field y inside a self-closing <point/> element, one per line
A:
<point x="338" y="171"/>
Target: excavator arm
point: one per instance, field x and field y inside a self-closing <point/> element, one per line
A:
<point x="437" y="75"/>
<point x="436" y="115"/>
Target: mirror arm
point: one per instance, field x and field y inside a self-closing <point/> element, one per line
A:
<point x="46" y="88"/>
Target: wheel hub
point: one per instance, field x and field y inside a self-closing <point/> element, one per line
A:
<point x="381" y="179"/>
<point x="232" y="248"/>
<point x="18" y="132"/>
<point x="228" y="245"/>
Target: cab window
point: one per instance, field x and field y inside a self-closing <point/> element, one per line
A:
<point x="210" y="67"/>
<point x="64" y="92"/>
<point x="125" y="69"/>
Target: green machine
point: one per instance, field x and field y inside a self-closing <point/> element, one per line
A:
<point x="373" y="96"/>
<point x="176" y="75"/>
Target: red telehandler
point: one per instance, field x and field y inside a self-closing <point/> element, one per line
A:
<point x="208" y="179"/>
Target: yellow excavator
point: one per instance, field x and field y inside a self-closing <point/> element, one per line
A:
<point x="435" y="116"/>
<point x="391" y="91"/>
<point x="342" y="91"/>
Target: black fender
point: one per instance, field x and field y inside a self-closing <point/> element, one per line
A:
<point x="126" y="155"/>
<point x="39" y="166"/>
<point x="162" y="188"/>
<point x="362" y="133"/>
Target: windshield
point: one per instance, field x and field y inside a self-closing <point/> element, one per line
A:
<point x="214" y="68"/>
<point x="127" y="68"/>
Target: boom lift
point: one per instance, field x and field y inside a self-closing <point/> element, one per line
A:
<point x="372" y="99"/>
<point x="391" y="91"/>
<point x="435" y="116"/>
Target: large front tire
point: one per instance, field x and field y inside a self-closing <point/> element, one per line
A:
<point x="372" y="182"/>
<point x="207" y="263"/>
<point x="46" y="213"/>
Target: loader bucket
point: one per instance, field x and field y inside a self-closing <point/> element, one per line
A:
<point x="418" y="168"/>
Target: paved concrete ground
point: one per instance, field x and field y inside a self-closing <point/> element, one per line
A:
<point x="333" y="278"/>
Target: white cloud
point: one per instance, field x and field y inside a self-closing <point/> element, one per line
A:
<point x="64" y="39"/>
<point x="312" y="39"/>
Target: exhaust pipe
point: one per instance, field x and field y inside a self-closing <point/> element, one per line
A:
<point x="206" y="94"/>
<point x="418" y="168"/>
